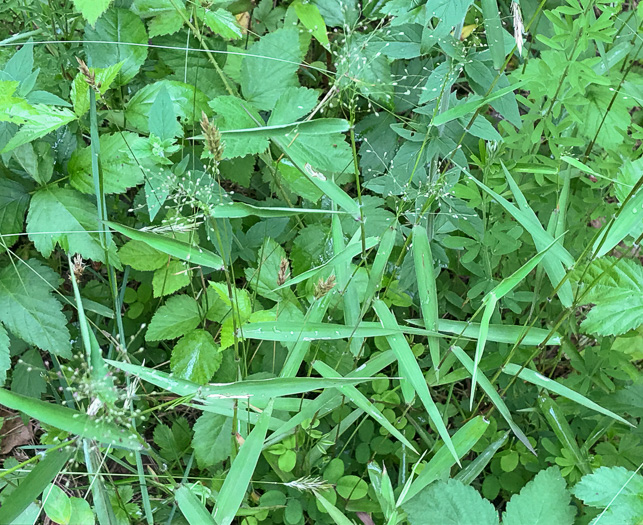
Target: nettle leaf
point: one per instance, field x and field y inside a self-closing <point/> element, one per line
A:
<point x="14" y="200"/>
<point x="270" y="67"/>
<point x="162" y="120"/>
<point x="196" y="357"/>
<point x="618" y="296"/>
<point x="235" y="113"/>
<point x="170" y="278"/>
<point x="65" y="217"/>
<point x="212" y="439"/>
<point x="187" y="101"/>
<point x="141" y="256"/>
<point x="449" y="503"/>
<point x="543" y="501"/>
<point x="165" y="15"/>
<point x="117" y="25"/>
<point x="28" y="309"/>
<point x="223" y="23"/>
<point x="178" y="316"/>
<point x="121" y="155"/>
<point x="91" y="9"/>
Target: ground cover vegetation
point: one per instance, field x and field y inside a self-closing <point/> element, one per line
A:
<point x="321" y="261"/>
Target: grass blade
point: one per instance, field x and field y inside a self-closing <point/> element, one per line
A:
<point x="442" y="461"/>
<point x="412" y="373"/>
<point x="493" y="396"/>
<point x="180" y="250"/>
<point x="427" y="290"/>
<point x="285" y="332"/>
<point x="192" y="508"/>
<point x="71" y="421"/>
<point x="473" y="469"/>
<point x="33" y="485"/>
<point x="548" y="384"/>
<point x="494" y="31"/>
<point x="236" y="482"/>
<point x="337" y="515"/>
<point x="361" y="401"/>
<point x="387" y="242"/>
<point x="482" y="341"/>
<point x="238" y="210"/>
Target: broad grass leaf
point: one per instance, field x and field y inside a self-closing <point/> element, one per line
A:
<point x="178" y="316"/>
<point x="115" y="26"/>
<point x="196" y="357"/>
<point x="543" y="501"/>
<point x="5" y="356"/>
<point x="28" y="309"/>
<point x="617" y="294"/>
<point x="451" y="503"/>
<point x="212" y="439"/>
<point x="65" y="217"/>
<point x="192" y="508"/>
<point x="270" y="67"/>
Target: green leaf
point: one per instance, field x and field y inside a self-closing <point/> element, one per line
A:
<point x="33" y="485"/>
<point x="617" y="296"/>
<point x="72" y="421"/>
<point x="166" y="16"/>
<point x="38" y="121"/>
<point x="236" y="482"/>
<point x="270" y="67"/>
<point x="192" y="508"/>
<point x="162" y="119"/>
<point x="543" y="501"/>
<point x="537" y="379"/>
<point x="81" y="512"/>
<point x="293" y="104"/>
<point x="187" y="101"/>
<point x="91" y="10"/>
<point x="178" y="316"/>
<point x="494" y="32"/>
<point x="5" y="356"/>
<point x="212" y="440"/>
<point x="117" y="25"/>
<point x="171" y="278"/>
<point x="310" y="17"/>
<point x="263" y="279"/>
<point x="235" y="113"/>
<point x="28" y="309"/>
<point x="610" y="486"/>
<point x="57" y="504"/>
<point x="105" y="76"/>
<point x="451" y="503"/>
<point x="196" y="357"/>
<point x="65" y="217"/>
<point x="141" y="256"/>
<point x="14" y="200"/>
<point x="27" y="376"/>
<point x="180" y="250"/>
<point x="120" y="161"/>
<point x="223" y="23"/>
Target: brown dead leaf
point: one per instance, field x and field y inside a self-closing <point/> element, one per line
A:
<point x="14" y="432"/>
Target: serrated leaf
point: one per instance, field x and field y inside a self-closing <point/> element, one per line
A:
<point x="543" y="501"/>
<point x="234" y="113"/>
<point x="310" y="17"/>
<point x="28" y="309"/>
<point x="196" y="357"/>
<point x="141" y="256"/>
<point x="117" y="25"/>
<point x="173" y="442"/>
<point x="178" y="316"/>
<point x="212" y="439"/>
<point x="601" y="487"/>
<point x="120" y="167"/>
<point x="38" y="121"/>
<point x="170" y="278"/>
<point x="13" y="205"/>
<point x="270" y="67"/>
<point x="165" y="15"/>
<point x="617" y="296"/>
<point x="293" y="104"/>
<point x="66" y="217"/>
<point x="449" y="503"/>
<point x="91" y="9"/>
<point x="223" y="23"/>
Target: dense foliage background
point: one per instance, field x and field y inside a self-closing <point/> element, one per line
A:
<point x="321" y="261"/>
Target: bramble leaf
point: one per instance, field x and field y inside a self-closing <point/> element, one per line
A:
<point x="196" y="357"/>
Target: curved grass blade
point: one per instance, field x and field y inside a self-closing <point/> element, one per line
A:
<point x="493" y="396"/>
<point x="33" y="485"/>
<point x="489" y="308"/>
<point x="423" y="259"/>
<point x="442" y="461"/>
<point x="337" y="515"/>
<point x="236" y="210"/>
<point x="361" y="401"/>
<point x="192" y="508"/>
<point x="71" y="421"/>
<point x="549" y="384"/>
<point x="236" y="482"/>
<point x="286" y="332"/>
<point x="320" y="126"/>
<point x="387" y="242"/>
<point x="412" y="372"/>
<point x="473" y="469"/>
<point x="180" y="250"/>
